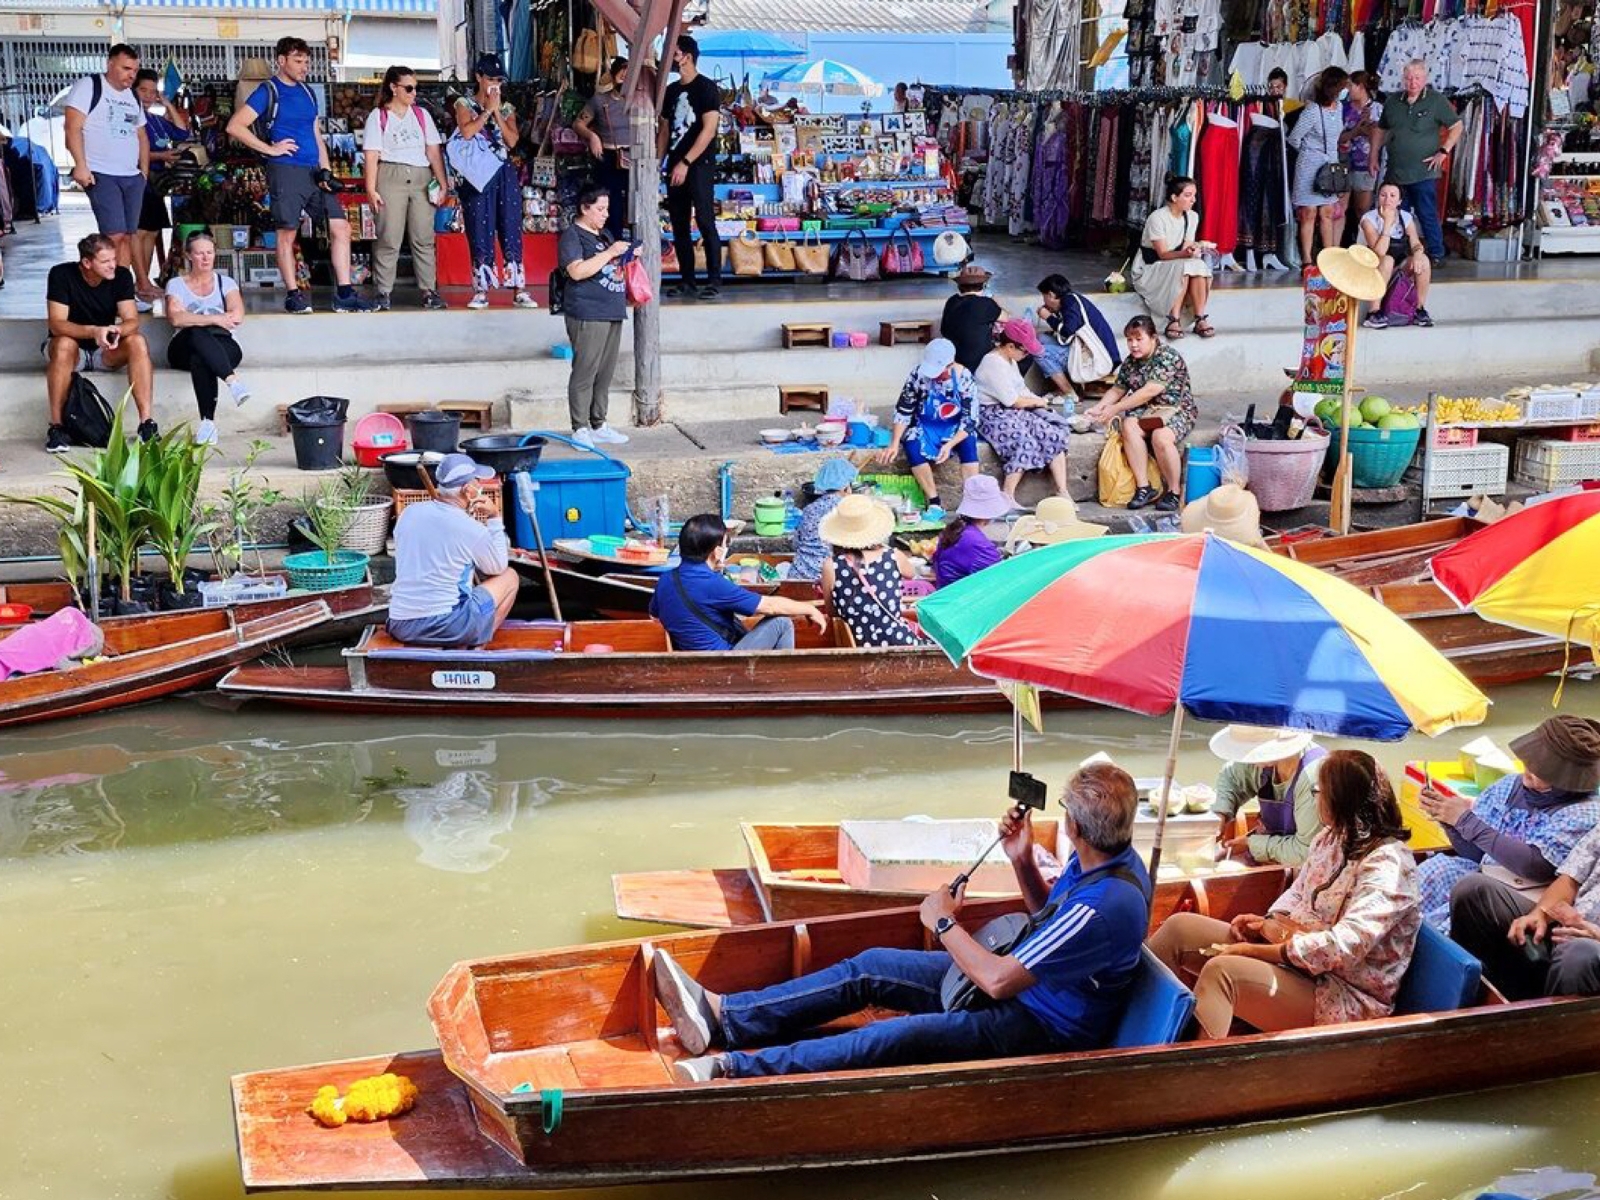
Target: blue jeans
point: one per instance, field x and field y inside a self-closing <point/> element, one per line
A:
<point x="1422" y="198"/>
<point x="770" y="633"/>
<point x="904" y="980"/>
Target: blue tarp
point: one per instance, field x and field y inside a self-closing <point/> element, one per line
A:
<point x="46" y="181"/>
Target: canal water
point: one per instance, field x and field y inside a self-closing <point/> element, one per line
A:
<point x="187" y="892"/>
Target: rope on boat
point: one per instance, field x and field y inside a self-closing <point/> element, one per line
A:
<point x="550" y="1109"/>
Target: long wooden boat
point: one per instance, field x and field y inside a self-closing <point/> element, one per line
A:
<point x="546" y="669"/>
<point x="1392" y="564"/>
<point x="623" y="592"/>
<point x="149" y="657"/>
<point x="574" y="1041"/>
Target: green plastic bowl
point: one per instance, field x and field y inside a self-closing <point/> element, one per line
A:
<point x="604" y="544"/>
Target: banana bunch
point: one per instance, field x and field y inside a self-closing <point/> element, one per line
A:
<point x="1475" y="409"/>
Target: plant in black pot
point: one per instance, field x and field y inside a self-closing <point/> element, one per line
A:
<point x="172" y="467"/>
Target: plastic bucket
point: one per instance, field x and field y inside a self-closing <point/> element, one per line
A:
<point x="435" y="430"/>
<point x="1201" y="473"/>
<point x="318" y="447"/>
<point x="1283" y="475"/>
<point x="1378" y="457"/>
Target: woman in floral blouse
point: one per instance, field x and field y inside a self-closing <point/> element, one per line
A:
<point x="1152" y="400"/>
<point x="1332" y="948"/>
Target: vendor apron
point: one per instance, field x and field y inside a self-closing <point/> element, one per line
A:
<point x="1277" y="816"/>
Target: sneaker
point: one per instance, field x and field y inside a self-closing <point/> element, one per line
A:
<point x="709" y="292"/>
<point x="351" y="304"/>
<point x="239" y="390"/>
<point x="1168" y="502"/>
<point x="148" y="431"/>
<point x="433" y="300"/>
<point x="297" y="302"/>
<point x="699" y="1070"/>
<point x="1422" y="317"/>
<point x="523" y="300"/>
<point x="1142" y="498"/>
<point x="1376" y="321"/>
<point x="56" y="440"/>
<point x="205" y="433"/>
<point x="689" y="1006"/>
<point x="584" y="438"/>
<point x="676" y="291"/>
<point x="381" y="302"/>
<point x="142" y="305"/>
<point x="479" y="300"/>
<point x="609" y="436"/>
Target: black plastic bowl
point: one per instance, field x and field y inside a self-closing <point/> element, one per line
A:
<point x="400" y="467"/>
<point x="506" y="453"/>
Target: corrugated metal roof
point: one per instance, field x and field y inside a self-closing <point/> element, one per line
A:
<point x="895" y="16"/>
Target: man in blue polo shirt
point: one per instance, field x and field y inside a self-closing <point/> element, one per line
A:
<point x="298" y="176"/>
<point x="1062" y="989"/>
<point x="700" y="607"/>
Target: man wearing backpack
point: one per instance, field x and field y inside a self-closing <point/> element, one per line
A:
<point x="279" y="122"/>
<point x="94" y="326"/>
<point x="110" y="152"/>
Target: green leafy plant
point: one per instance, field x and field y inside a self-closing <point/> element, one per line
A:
<point x="234" y="519"/>
<point x="172" y="467"/>
<point x="329" y="516"/>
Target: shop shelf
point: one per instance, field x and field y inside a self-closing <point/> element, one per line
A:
<point x="1475" y="471"/>
<point x="1548" y="463"/>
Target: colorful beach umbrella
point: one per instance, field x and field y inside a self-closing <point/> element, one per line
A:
<point x="1538" y="569"/>
<point x="824" y="75"/>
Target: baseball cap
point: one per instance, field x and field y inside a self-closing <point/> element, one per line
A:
<point x="936" y="358"/>
<point x="1021" y="333"/>
<point x="458" y="470"/>
<point x="489" y="66"/>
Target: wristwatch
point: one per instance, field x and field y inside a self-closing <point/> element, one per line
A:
<point x="943" y="926"/>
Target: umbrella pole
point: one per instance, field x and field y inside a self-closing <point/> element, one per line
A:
<point x="1016" y="737"/>
<point x="1166" y="789"/>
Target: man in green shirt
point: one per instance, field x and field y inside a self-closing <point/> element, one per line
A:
<point x="1277" y="769"/>
<point x="1410" y="127"/>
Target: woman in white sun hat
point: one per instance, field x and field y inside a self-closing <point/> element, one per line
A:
<point x="1278" y="768"/>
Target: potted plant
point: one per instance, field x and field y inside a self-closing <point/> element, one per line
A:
<point x="329" y="514"/>
<point x="368" y="527"/>
<point x="172" y="466"/>
<point x="233" y="522"/>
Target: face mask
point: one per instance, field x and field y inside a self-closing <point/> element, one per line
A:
<point x="1344" y="95"/>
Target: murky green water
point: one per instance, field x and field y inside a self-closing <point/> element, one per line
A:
<point x="187" y="892"/>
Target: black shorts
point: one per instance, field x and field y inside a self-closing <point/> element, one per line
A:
<point x="153" y="214"/>
<point x="295" y="192"/>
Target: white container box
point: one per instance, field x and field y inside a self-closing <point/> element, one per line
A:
<point x="918" y="856"/>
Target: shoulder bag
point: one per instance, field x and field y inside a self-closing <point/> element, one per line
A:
<point x="1088" y="360"/>
<point x="1332" y="177"/>
<point x="1003" y="935"/>
<point x="779" y="254"/>
<point x="744" y="252"/>
<point x="723" y="629"/>
<point x="902" y="256"/>
<point x="811" y="256"/>
<point x="853" y="259"/>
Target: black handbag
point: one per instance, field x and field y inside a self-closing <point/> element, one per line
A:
<point x="1332" y="178"/>
<point x="1004" y="934"/>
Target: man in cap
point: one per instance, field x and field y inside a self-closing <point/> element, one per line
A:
<point x="687" y="139"/>
<point x="1524" y="899"/>
<point x="438" y="545"/>
<point x="1278" y="769"/>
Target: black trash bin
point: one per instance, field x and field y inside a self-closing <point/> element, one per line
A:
<point x="317" y="426"/>
<point x="434" y="430"/>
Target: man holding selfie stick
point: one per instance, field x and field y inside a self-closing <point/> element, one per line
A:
<point x="94" y="326"/>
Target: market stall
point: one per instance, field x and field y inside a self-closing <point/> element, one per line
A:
<point x="1567" y="165"/>
<point x="1533" y="439"/>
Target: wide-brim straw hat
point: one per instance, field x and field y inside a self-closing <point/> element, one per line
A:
<point x="1055" y="520"/>
<point x="1227" y="511"/>
<point x="857" y="523"/>
<point x="973" y="273"/>
<point x="1564" y="751"/>
<point x="1353" y="271"/>
<point x="1257" y="745"/>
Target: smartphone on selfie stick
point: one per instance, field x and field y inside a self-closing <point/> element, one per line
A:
<point x="1027" y="792"/>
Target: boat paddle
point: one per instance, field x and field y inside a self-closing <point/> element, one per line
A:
<point x="1028" y="792"/>
<point x="91" y="568"/>
<point x="525" y="490"/>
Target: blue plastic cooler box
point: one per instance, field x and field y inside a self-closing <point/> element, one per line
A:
<point x="576" y="497"/>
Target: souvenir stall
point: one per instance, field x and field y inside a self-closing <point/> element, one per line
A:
<point x="1567" y="163"/>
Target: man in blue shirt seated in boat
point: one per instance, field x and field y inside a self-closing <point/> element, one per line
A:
<point x="1062" y="988"/>
<point x="438" y="544"/>
<point x="700" y="607"/>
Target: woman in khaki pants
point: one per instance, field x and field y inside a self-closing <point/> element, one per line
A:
<point x="406" y="180"/>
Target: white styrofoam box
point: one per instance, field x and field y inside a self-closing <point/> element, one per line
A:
<point x="918" y="856"/>
<point x="1190" y="842"/>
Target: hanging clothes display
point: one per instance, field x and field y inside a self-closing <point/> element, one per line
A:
<point x="1261" y="186"/>
<point x="1218" y="177"/>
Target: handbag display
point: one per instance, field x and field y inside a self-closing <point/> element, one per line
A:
<point x="746" y="255"/>
<point x="778" y="224"/>
<point x="950" y="249"/>
<point x="586" y="53"/>
<point x="901" y="255"/>
<point x="811" y="256"/>
<point x="854" y="260"/>
<point x="779" y="255"/>
<point x="1088" y="360"/>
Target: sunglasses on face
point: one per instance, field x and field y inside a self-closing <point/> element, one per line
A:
<point x="405" y="87"/>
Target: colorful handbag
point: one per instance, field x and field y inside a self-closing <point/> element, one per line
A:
<point x="853" y="259"/>
<point x="811" y="256"/>
<point x="901" y="255"/>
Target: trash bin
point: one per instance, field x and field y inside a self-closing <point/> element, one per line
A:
<point x="434" y="430"/>
<point x="317" y="426"/>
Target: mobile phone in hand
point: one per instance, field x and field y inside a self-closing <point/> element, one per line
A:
<point x="113" y="336"/>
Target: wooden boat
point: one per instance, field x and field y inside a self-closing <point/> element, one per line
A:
<point x="794" y="874"/>
<point x="623" y="592"/>
<point x="543" y="670"/>
<point x="149" y="657"/>
<point x="581" y="1028"/>
<point x="1392" y="564"/>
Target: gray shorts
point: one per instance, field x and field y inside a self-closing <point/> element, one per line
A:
<point x="1363" y="181"/>
<point x="470" y="623"/>
<point x="90" y="356"/>
<point x="294" y="192"/>
<point x="117" y="201"/>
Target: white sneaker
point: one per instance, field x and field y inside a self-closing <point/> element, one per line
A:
<point x="523" y="300"/>
<point x="205" y="433"/>
<point x="239" y="390"/>
<point x="584" y="438"/>
<point x="479" y="300"/>
<point x="609" y="435"/>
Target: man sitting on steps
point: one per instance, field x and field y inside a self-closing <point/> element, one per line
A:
<point x="1062" y="988"/>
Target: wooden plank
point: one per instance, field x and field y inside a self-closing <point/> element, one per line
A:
<point x="719" y="899"/>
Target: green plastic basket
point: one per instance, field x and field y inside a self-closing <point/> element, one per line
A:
<point x="1378" y="457"/>
<point x="893" y="485"/>
<point x="313" y="572"/>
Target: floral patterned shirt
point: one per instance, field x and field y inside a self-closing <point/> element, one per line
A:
<point x="1166" y="367"/>
<point x="1360" y="920"/>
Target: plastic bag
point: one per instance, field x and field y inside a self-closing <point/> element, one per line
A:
<point x="1117" y="483"/>
<point x="318" y="411"/>
<point x="1232" y="462"/>
<point x="636" y="282"/>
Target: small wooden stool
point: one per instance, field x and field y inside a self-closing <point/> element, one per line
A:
<point x="891" y="333"/>
<point x="807" y="397"/>
<point x="810" y="333"/>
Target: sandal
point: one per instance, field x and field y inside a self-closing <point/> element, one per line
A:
<point x="1174" y="329"/>
<point x="1203" y="326"/>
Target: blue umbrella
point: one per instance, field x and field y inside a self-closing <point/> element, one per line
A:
<point x="825" y="76"/>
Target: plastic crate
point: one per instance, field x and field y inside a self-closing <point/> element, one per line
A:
<point x="1454" y="435"/>
<point x="1474" y="471"/>
<point x="1579" y="433"/>
<point x="1589" y="403"/>
<point x="244" y="589"/>
<point x="1553" y="406"/>
<point x="491" y="489"/>
<point x="1548" y="463"/>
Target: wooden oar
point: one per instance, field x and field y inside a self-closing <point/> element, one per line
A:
<point x="525" y="489"/>
<point x="91" y="568"/>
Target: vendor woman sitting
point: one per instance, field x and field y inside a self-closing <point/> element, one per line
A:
<point x="1279" y="768"/>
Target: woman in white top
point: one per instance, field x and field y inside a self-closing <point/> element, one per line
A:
<point x="1014" y="421"/>
<point x="1170" y="270"/>
<point x="1391" y="233"/>
<point x="205" y="308"/>
<point x="404" y="170"/>
<point x="1316" y="137"/>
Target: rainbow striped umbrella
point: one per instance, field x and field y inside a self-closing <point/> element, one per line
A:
<point x="1534" y="570"/>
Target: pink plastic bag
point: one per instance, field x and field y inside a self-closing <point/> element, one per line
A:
<point x="636" y="282"/>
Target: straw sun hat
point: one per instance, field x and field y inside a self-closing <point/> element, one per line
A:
<point x="1354" y="272"/>
<point x="1256" y="745"/>
<point x="1227" y="511"/>
<point x="857" y="523"/>
<point x="1055" y="520"/>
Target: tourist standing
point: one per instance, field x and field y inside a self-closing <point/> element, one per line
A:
<point x="1419" y="128"/>
<point x="404" y="169"/>
<point x="595" y="304"/>
<point x="166" y="127"/>
<point x="491" y="193"/>
<point x="1315" y="138"/>
<point x="1362" y="112"/>
<point x="205" y="307"/>
<point x="603" y="123"/>
<point x="688" y="141"/>
<point x="110" y="154"/>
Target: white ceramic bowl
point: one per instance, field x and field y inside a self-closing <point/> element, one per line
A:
<point x="831" y="433"/>
<point x="774" y="437"/>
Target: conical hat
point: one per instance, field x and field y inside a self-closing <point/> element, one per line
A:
<point x="1354" y="272"/>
